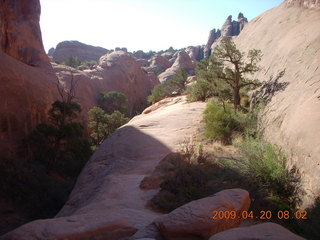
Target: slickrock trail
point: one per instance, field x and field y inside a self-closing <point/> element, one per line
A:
<point x="107" y="201"/>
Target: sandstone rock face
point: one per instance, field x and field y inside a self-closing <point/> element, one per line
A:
<point x="213" y="36"/>
<point x="26" y="94"/>
<point x="184" y="61"/>
<point x="229" y="29"/>
<point x="107" y="201"/>
<point x="159" y="62"/>
<point x="117" y="71"/>
<point x="311" y="4"/>
<point x="193" y="220"/>
<point x="195" y="53"/>
<point x="290" y="44"/>
<point x="77" y="49"/>
<point x="141" y="55"/>
<point x="232" y="28"/>
<point x="20" y="34"/>
<point x="265" y="231"/>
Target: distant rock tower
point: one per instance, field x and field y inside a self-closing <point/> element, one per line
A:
<point x="229" y="29"/>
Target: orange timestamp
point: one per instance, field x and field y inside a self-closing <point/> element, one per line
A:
<point x="262" y="215"/>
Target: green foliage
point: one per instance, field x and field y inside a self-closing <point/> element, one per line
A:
<point x="231" y="66"/>
<point x="178" y="82"/>
<point x="87" y="65"/>
<point x="176" y="85"/>
<point x="72" y="62"/>
<point x="185" y="181"/>
<point x="113" y="101"/>
<point x="102" y="124"/>
<point x="222" y="121"/>
<point x="265" y="163"/>
<point x="158" y="92"/>
<point x="200" y="91"/>
<point x="60" y="145"/>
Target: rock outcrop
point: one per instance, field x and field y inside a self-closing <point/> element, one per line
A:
<point x="311" y="4"/>
<point x="265" y="231"/>
<point x="290" y="45"/>
<point x="116" y="71"/>
<point x="107" y="200"/>
<point x="229" y="29"/>
<point x="232" y="28"/>
<point x="20" y="34"/>
<point x="192" y="221"/>
<point x="195" y="53"/>
<point x="77" y="49"/>
<point x="213" y="36"/>
<point x="184" y="61"/>
<point x="159" y="63"/>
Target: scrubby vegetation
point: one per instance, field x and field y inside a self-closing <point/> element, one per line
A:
<point x="103" y="124"/>
<point x="109" y="116"/>
<point x="75" y="62"/>
<point x="171" y="87"/>
<point x="258" y="165"/>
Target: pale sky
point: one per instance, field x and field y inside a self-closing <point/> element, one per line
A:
<point x="141" y="24"/>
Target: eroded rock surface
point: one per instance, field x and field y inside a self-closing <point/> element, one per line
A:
<point x="290" y="46"/>
<point x="77" y="49"/>
<point x="193" y="220"/>
<point x="20" y="34"/>
<point x="182" y="60"/>
<point x="107" y="194"/>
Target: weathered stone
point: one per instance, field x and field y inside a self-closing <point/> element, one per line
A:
<point x="265" y="231"/>
<point x="311" y="4"/>
<point x="213" y="36"/>
<point x="159" y="63"/>
<point x="194" y="220"/>
<point x="290" y="45"/>
<point x="195" y="53"/>
<point x="182" y="61"/>
<point x="77" y="49"/>
<point x="107" y="201"/>
<point x="20" y="34"/>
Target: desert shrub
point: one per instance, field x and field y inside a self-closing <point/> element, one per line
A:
<point x="267" y="164"/>
<point x="87" y="65"/>
<point x="158" y="92"/>
<point x="173" y="86"/>
<point x="186" y="181"/>
<point x="222" y="121"/>
<point x="60" y="144"/>
<point x="72" y="62"/>
<point x="200" y="91"/>
<point x="102" y="124"/>
<point x="178" y="82"/>
<point x="113" y="101"/>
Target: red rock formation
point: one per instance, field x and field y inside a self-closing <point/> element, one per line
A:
<point x="20" y="31"/>
<point x="77" y="49"/>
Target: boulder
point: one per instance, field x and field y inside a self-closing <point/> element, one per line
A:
<point x="160" y="63"/>
<point x="20" y="34"/>
<point x="194" y="220"/>
<point x="77" y="49"/>
<point x="184" y="61"/>
<point x="140" y="55"/>
<point x="265" y="231"/>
